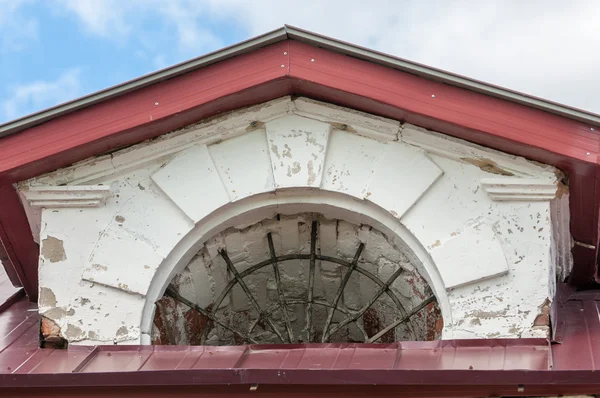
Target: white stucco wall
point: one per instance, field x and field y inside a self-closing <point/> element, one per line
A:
<point x="480" y="226"/>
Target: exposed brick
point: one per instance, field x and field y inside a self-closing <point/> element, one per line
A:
<point x="543" y="318"/>
<point x="347" y="239"/>
<point x="328" y="237"/>
<point x="290" y="235"/>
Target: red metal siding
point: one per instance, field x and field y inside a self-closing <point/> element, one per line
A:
<point x="19" y="354"/>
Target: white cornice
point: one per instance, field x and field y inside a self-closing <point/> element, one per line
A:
<point x="518" y="189"/>
<point x="218" y="129"/>
<point x="68" y="196"/>
<point x="487" y="159"/>
<point x="207" y="132"/>
<point x="350" y="120"/>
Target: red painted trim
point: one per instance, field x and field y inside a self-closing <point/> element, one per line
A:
<point x="259" y="76"/>
<point x="12" y="299"/>
<point x="256" y="94"/>
<point x="316" y="391"/>
<point x="139" y="110"/>
<point x="17" y="240"/>
<point x="451" y="105"/>
<point x="9" y="268"/>
<point x="334" y="77"/>
<point x="335" y="381"/>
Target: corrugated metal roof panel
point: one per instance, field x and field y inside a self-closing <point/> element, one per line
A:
<point x="19" y="354"/>
<point x="531" y="362"/>
<point x="8" y="293"/>
<point x="579" y="330"/>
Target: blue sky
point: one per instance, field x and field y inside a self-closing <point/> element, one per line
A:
<point x="53" y="51"/>
<point x="51" y="54"/>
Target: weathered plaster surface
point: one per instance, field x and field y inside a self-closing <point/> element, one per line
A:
<point x="490" y="250"/>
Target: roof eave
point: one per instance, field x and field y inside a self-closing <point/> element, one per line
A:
<point x="170" y="72"/>
<point x="290" y="32"/>
<point x="441" y="75"/>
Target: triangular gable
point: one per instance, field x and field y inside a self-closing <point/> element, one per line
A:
<point x="293" y="62"/>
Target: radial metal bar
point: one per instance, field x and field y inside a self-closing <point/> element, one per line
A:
<point x="364" y="309"/>
<point x="173" y="293"/>
<point x="249" y="294"/>
<point x="288" y="257"/>
<point x="311" y="279"/>
<point x="340" y="292"/>
<point x="378" y="281"/>
<point x="316" y="302"/>
<point x="366" y="273"/>
<point x="402" y="320"/>
<point x="288" y="326"/>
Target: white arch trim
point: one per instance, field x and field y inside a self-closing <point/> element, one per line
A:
<point x="259" y="207"/>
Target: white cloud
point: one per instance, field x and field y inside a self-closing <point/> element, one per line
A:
<point x="16" y="29"/>
<point x="27" y="98"/>
<point x="106" y="18"/>
<point x="546" y="48"/>
<point x="146" y="21"/>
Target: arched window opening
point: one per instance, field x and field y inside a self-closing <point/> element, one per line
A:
<point x="297" y="279"/>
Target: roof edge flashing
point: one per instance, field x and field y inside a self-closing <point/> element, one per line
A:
<point x="442" y="76"/>
<point x="293" y="33"/>
<point x="170" y="72"/>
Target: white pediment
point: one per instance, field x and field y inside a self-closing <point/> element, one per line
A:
<point x="476" y="223"/>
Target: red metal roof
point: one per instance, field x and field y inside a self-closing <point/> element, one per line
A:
<point x="8" y="293"/>
<point x="452" y="367"/>
<point x="578" y="333"/>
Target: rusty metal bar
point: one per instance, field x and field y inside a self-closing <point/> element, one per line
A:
<point x="311" y="279"/>
<point x="173" y="293"/>
<point x="288" y="257"/>
<point x="402" y="320"/>
<point x="364" y="309"/>
<point x="316" y="302"/>
<point x="282" y="303"/>
<point x="340" y="292"/>
<point x="249" y="294"/>
<point x="366" y="273"/>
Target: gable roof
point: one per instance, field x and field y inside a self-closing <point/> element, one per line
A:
<point x="290" y="61"/>
<point x="288" y="32"/>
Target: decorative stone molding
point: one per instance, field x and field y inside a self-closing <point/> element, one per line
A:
<point x="67" y="196"/>
<point x="490" y="263"/>
<point x="519" y="189"/>
<point x="221" y="128"/>
<point x="467" y="247"/>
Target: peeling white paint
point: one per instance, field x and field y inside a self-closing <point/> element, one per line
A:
<point x="304" y="165"/>
<point x="490" y="263"/>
